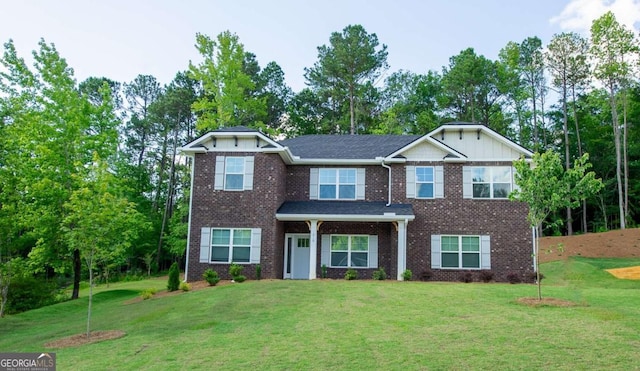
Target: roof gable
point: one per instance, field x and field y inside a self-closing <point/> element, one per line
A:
<point x="347" y="147"/>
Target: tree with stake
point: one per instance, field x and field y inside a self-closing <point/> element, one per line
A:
<point x="547" y="187"/>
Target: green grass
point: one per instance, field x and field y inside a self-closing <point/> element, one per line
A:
<point x="337" y="324"/>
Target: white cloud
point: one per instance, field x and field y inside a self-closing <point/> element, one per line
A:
<point x="579" y="14"/>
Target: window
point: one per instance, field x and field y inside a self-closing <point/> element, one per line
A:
<point x="491" y="182"/>
<point x="460" y="252"/>
<point x="424" y="182"/>
<point x="350" y="251"/>
<point x="230" y="245"/>
<point x="234" y="173"/>
<point x="337" y="184"/>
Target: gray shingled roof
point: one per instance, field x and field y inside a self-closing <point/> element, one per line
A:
<point x="347" y="146"/>
<point x="343" y="208"/>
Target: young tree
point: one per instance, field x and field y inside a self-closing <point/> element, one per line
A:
<point x="352" y="60"/>
<point x="547" y="187"/>
<point x="99" y="223"/>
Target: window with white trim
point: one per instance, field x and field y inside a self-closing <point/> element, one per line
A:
<point x="491" y="181"/>
<point x="230" y="245"/>
<point x="460" y="252"/>
<point x="350" y="251"/>
<point x="234" y="173"/>
<point x="424" y="181"/>
<point x="337" y="184"/>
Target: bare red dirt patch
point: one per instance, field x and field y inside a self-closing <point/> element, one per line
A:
<point x="612" y="244"/>
<point x="82" y="339"/>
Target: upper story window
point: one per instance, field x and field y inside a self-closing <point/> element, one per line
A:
<point x="492" y="182"/>
<point x="336" y="184"/>
<point x="234" y="173"/>
<point x="425" y="181"/>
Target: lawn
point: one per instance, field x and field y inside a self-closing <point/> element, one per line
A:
<point x="336" y="324"/>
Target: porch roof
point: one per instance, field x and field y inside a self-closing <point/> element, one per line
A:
<point x="338" y="211"/>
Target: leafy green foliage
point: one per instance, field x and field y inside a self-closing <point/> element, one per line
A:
<point x="28" y="292"/>
<point x="350" y="274"/>
<point x="211" y="277"/>
<point x="185" y="286"/>
<point x="174" y="277"/>
<point x="379" y="274"/>
<point x="235" y="270"/>
<point x="407" y="275"/>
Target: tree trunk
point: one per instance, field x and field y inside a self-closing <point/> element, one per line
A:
<point x="567" y="160"/>
<point x="625" y="161"/>
<point x="580" y="153"/>
<point x="170" y="192"/>
<point x="90" y="300"/>
<point x="352" y="110"/>
<point x="77" y="274"/>
<point x="616" y="132"/>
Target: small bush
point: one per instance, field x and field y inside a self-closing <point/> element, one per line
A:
<point x="406" y="275"/>
<point x="26" y="293"/>
<point x="465" y="277"/>
<point x="148" y="293"/>
<point x="485" y="276"/>
<point x="379" y="274"/>
<point x="351" y="274"/>
<point x="513" y="278"/>
<point x="239" y="278"/>
<point x="258" y="272"/>
<point x="174" y="277"/>
<point x="235" y="270"/>
<point x="211" y="277"/>
<point x="323" y="271"/>
<point x="184" y="286"/>
<point x="533" y="277"/>
<point x="426" y="275"/>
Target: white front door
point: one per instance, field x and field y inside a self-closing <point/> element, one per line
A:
<point x="296" y="256"/>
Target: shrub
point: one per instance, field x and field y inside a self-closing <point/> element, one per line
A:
<point x="465" y="277"/>
<point x="174" y="277"/>
<point x="323" y="271"/>
<point x="26" y="293"/>
<point x="351" y="274"/>
<point x="211" y="277"/>
<point x="148" y="293"/>
<point x="485" y="276"/>
<point x="426" y="275"/>
<point x="380" y="274"/>
<point x="533" y="277"/>
<point x="184" y="286"/>
<point x="258" y="272"/>
<point x="235" y="270"/>
<point x="239" y="278"/>
<point x="513" y="278"/>
<point x="406" y="275"/>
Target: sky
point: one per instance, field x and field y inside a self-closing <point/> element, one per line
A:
<point x="121" y="39"/>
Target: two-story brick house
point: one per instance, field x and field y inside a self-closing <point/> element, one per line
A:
<point x="435" y="203"/>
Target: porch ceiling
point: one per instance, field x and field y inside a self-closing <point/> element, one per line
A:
<point x="344" y="211"/>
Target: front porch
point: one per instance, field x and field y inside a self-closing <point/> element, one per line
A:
<point x="341" y="235"/>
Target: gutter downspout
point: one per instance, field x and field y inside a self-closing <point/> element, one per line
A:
<point x="186" y="265"/>
<point x="389" y="186"/>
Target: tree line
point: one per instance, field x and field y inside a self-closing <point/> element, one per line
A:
<point x="90" y="175"/>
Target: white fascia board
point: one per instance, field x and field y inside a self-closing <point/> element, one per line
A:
<point x="284" y="152"/>
<point x="391" y="160"/>
<point x="344" y="218"/>
<point x="191" y="151"/>
<point x="195" y="146"/>
<point x="333" y="161"/>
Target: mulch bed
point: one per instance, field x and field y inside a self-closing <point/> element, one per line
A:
<point x="82" y="339"/>
<point x="546" y="302"/>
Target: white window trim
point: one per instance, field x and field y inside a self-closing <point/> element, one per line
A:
<point x="433" y="182"/>
<point x="412" y="182"/>
<point x="349" y="251"/>
<point x="227" y="172"/>
<point x="337" y="183"/>
<point x="467" y="175"/>
<point x="206" y="245"/>
<point x="436" y="252"/>
<point x="220" y="176"/>
<point x="460" y="252"/>
<point x="314" y="184"/>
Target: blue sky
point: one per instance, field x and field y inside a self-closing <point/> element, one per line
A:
<point x="120" y="39"/>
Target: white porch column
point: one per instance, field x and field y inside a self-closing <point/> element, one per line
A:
<point x="313" y="249"/>
<point x="402" y="248"/>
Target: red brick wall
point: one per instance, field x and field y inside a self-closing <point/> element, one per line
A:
<point x="239" y="209"/>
